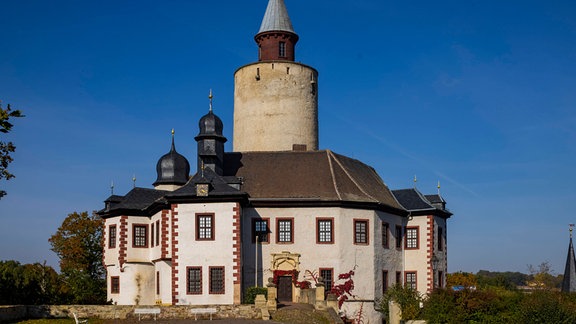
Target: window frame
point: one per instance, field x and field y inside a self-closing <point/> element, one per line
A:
<point x="326" y="288"/>
<point x="413" y="284"/>
<point x="384" y="281"/>
<point x="411" y="243"/>
<point x="112" y="238"/>
<point x="385" y="235"/>
<point x="211" y="289"/>
<point x="157" y="232"/>
<point x="289" y="220"/>
<point x="201" y="229"/>
<point x="143" y="236"/>
<point x="261" y="220"/>
<point x="114" y="284"/>
<point x="152" y="235"/>
<point x="440" y="239"/>
<point x="319" y="231"/>
<point x="157" y="283"/>
<point x="399" y="277"/>
<point x="398" y="235"/>
<point x="281" y="49"/>
<point x="358" y="239"/>
<point x="199" y="280"/>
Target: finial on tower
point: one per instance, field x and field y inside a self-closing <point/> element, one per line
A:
<point x="571" y="229"/>
<point x="210" y="97"/>
<point x="438" y="186"/>
<point x="112" y="187"/>
<point x="415" y="180"/>
<point x="134" y="181"/>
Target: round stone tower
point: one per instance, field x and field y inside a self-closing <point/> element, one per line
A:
<point x="275" y="99"/>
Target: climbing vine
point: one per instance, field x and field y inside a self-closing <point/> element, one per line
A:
<point x="343" y="291"/>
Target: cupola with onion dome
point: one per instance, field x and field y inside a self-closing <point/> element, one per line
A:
<point x="211" y="142"/>
<point x="173" y="170"/>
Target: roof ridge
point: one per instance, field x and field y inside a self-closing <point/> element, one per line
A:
<point x="350" y="176"/>
<point x="328" y="153"/>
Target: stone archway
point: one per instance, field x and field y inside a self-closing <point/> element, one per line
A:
<point x="287" y="264"/>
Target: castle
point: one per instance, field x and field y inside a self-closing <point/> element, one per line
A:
<point x="275" y="208"/>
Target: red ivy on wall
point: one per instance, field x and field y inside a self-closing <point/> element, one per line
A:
<point x="343" y="290"/>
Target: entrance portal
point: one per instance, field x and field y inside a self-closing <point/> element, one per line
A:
<point x="285" y="289"/>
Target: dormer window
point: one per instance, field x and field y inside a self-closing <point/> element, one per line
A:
<point x="282" y="49"/>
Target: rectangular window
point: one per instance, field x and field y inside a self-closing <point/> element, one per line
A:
<point x="398" y="277"/>
<point x="158" y="232"/>
<point x="140" y="235"/>
<point x="152" y="235"/>
<point x="204" y="227"/>
<point x="385" y="235"/>
<point x="282" y="49"/>
<point x="114" y="285"/>
<point x="194" y="280"/>
<point x="384" y="281"/>
<point x="157" y="282"/>
<point x="261" y="230"/>
<point x="112" y="236"/>
<point x="360" y="231"/>
<point x="411" y="238"/>
<point x="216" y="280"/>
<point x="398" y="236"/>
<point x="440" y="239"/>
<point x="285" y="230"/>
<point x="410" y="280"/>
<point x="327" y="275"/>
<point x="441" y="279"/>
<point x="324" y="230"/>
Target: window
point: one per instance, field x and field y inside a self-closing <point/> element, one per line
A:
<point x="157" y="282"/>
<point x="441" y="279"/>
<point x="114" y="285"/>
<point x="411" y="280"/>
<point x="152" y="235"/>
<point x="282" y="49"/>
<point x="216" y="280"/>
<point x="204" y="227"/>
<point x="158" y="232"/>
<point x="140" y="236"/>
<point x="327" y="275"/>
<point x="324" y="230"/>
<point x="398" y="236"/>
<point x="411" y="238"/>
<point x="384" y="281"/>
<point x="360" y="231"/>
<point x="112" y="236"/>
<point x="285" y="229"/>
<point x="194" y="280"/>
<point x="440" y="239"/>
<point x="385" y="234"/>
<point x="398" y="277"/>
<point x="261" y="229"/>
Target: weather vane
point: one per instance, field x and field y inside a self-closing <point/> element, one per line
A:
<point x="571" y="229"/>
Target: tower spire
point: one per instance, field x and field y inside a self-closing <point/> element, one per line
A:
<point x="569" y="281"/>
<point x="276" y="38"/>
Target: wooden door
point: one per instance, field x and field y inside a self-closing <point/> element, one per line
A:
<point x="285" y="288"/>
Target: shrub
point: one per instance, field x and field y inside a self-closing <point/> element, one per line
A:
<point x="251" y="292"/>
<point x="408" y="300"/>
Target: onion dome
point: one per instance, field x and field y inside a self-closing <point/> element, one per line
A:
<point x="172" y="168"/>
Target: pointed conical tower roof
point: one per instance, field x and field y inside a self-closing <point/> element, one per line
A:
<point x="276" y="18"/>
<point x="276" y="38"/>
<point x="569" y="281"/>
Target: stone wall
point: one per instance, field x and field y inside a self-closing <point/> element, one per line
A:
<point x="11" y="313"/>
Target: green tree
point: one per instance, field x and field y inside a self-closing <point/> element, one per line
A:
<point x="408" y="299"/>
<point x="28" y="284"/>
<point x="6" y="148"/>
<point x="78" y="244"/>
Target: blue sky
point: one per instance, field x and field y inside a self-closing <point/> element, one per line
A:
<point x="479" y="95"/>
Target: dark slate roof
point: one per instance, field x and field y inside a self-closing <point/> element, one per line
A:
<point x="569" y="280"/>
<point x="134" y="202"/>
<point x="309" y="175"/>
<point x="219" y="186"/>
<point x="415" y="202"/>
<point x="172" y="168"/>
